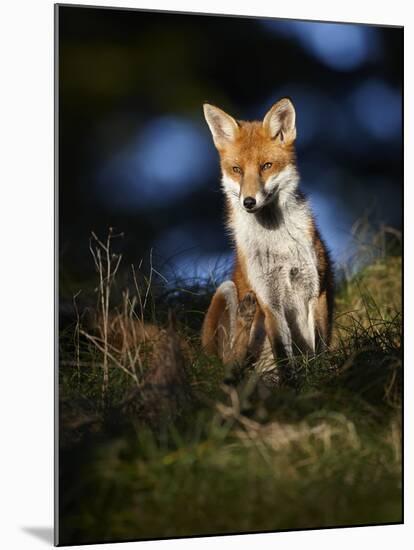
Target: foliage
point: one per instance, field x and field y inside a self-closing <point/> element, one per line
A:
<point x="322" y="451"/>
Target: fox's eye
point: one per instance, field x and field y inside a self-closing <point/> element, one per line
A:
<point x="237" y="170"/>
<point x="266" y="166"/>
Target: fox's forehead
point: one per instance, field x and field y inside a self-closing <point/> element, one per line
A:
<point x="253" y="145"/>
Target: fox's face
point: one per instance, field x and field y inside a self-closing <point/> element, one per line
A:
<point x="257" y="158"/>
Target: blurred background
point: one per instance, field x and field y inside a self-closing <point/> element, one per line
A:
<point x="136" y="154"/>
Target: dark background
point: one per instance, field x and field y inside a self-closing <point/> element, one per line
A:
<point x="136" y="154"/>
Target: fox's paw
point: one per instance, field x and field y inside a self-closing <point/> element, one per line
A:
<point x="247" y="307"/>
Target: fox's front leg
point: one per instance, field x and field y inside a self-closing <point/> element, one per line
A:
<point x="278" y="333"/>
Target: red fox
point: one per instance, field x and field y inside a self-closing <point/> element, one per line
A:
<point x="281" y="292"/>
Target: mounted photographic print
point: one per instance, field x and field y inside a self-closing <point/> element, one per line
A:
<point x="229" y="275"/>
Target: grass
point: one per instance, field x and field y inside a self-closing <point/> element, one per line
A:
<point x="205" y="458"/>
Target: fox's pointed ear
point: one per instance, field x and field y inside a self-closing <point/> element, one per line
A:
<point x="223" y="127"/>
<point x="280" y="121"/>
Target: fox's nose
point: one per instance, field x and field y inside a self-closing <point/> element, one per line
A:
<point x="249" y="203"/>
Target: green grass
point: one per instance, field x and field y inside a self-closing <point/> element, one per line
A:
<point x="322" y="451"/>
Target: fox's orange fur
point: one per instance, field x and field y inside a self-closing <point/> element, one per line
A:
<point x="282" y="285"/>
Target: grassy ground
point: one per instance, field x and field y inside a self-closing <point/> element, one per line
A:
<point x="205" y="458"/>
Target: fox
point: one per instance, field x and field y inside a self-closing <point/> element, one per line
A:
<point x="279" y="300"/>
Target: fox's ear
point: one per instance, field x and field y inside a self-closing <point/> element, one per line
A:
<point x="280" y="121"/>
<point x="223" y="127"/>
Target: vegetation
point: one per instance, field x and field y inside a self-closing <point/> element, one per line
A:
<point x="154" y="444"/>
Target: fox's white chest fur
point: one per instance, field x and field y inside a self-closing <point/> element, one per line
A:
<point x="281" y="265"/>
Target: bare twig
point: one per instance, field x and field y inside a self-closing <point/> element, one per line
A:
<point x="107" y="265"/>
